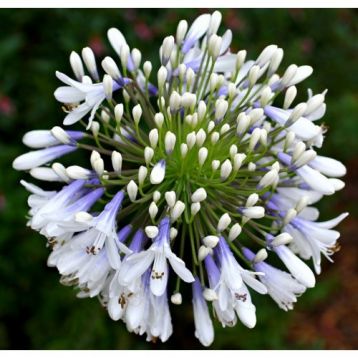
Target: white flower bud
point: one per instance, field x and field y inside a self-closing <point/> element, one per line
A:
<point x="159" y="119"/>
<point x="183" y="149"/>
<point x="198" y="195"/>
<point x="170" y="198"/>
<point x="173" y="233"/>
<point x="153" y="210"/>
<point x="268" y="179"/>
<point x="124" y="55"/>
<point x="200" y="137"/>
<point x="201" y="110"/>
<point x="202" y="155"/>
<point x="98" y="166"/>
<point x="136" y="57"/>
<point x="169" y="141"/>
<point x="282" y="239"/>
<point x="234" y="232"/>
<point x="225" y="169"/>
<point x="90" y="62"/>
<point x="181" y="31"/>
<point x="225" y="128"/>
<point x="231" y="90"/>
<point x="255" y="137"/>
<point x="210" y="295"/>
<point x="214" y="46"/>
<point x="266" y="55"/>
<point x="76" y="64"/>
<point x="188" y="100"/>
<point x="260" y="256"/>
<point x="167" y="48"/>
<point x="224" y="222"/>
<point x="290" y="96"/>
<point x="305" y="158"/>
<point x="153" y="138"/>
<point x="254" y="212"/>
<point x="297" y="112"/>
<point x="290" y="138"/>
<point x="233" y="150"/>
<point x="215" y="165"/>
<point x="118" y="112"/>
<point x="147" y="69"/>
<point x="156" y="196"/>
<point x="60" y="171"/>
<point x="177" y="210"/>
<point x="210" y="241"/>
<point x="302" y="203"/>
<point x="95" y="126"/>
<point x="252" y="200"/>
<point x="275" y="62"/>
<point x="251" y="167"/>
<point x="211" y="126"/>
<point x="203" y="252"/>
<point x="46" y="174"/>
<point x="174" y="101"/>
<point x="60" y="135"/>
<point x="126" y="96"/>
<point x="148" y="154"/>
<point x="132" y="190"/>
<point x="253" y="75"/>
<point x="116" y="161"/>
<point x="243" y="122"/>
<point x="288" y="75"/>
<point x="77" y="172"/>
<point x="215" y="136"/>
<point x="238" y="160"/>
<point x="240" y="59"/>
<point x="195" y="208"/>
<point x="162" y="76"/>
<point x="266" y="96"/>
<point x="221" y="107"/>
<point x="108" y="86"/>
<point x="151" y="231"/>
<point x="158" y="172"/>
<point x="176" y="299"/>
<point x="105" y="116"/>
<point x="314" y="103"/>
<point x="255" y="115"/>
<point x="290" y="215"/>
<point x="215" y="21"/>
<point x="214" y="78"/>
<point x="111" y="68"/>
<point x="142" y="174"/>
<point x="137" y="113"/>
<point x="182" y="71"/>
<point x="191" y="139"/>
<point x="299" y="149"/>
<point x="337" y="183"/>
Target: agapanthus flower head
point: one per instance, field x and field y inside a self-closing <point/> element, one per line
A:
<point x="200" y="172"/>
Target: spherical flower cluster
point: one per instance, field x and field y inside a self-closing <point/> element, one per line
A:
<point x="201" y="173"/>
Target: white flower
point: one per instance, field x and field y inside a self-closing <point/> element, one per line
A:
<point x="157" y="254"/>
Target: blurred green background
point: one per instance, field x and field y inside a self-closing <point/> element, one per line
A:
<point x="36" y="312"/>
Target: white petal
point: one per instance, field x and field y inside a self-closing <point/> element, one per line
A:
<point x="302" y="73"/>
<point x="297" y="267"/>
<point x="158" y="173"/>
<point x="255" y="284"/>
<point x="328" y="166"/>
<point x="315" y="180"/>
<point x="77" y="114"/>
<point x="305" y="129"/>
<point x="333" y="222"/>
<point x="67" y="94"/>
<point x="159" y="275"/>
<point x="179" y="268"/>
<point x="226" y="63"/>
<point x="309" y="213"/>
<point x="112" y="253"/>
<point x="115" y="310"/>
<point x="246" y="313"/>
<point x="197" y="29"/>
<point x="116" y="39"/>
<point x="134" y="266"/>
